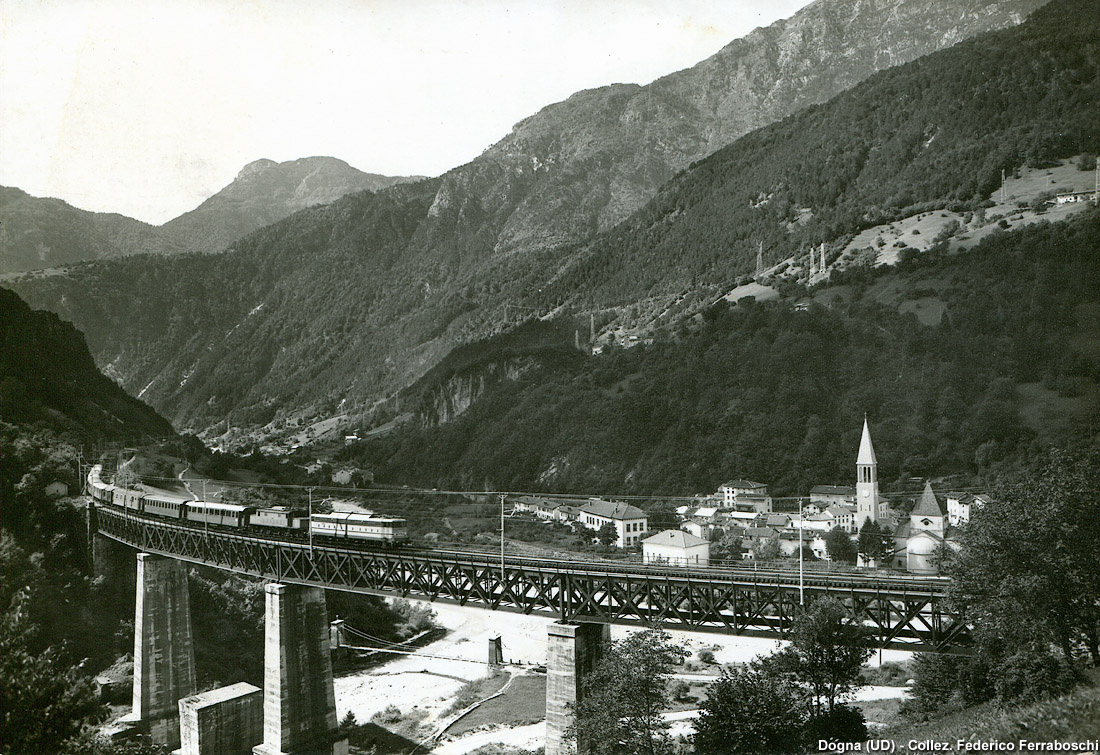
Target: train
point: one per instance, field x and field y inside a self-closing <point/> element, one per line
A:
<point x="339" y="525"/>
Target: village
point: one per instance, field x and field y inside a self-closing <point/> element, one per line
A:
<point x="743" y="514"/>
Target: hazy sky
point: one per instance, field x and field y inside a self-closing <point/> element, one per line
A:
<point x="147" y="107"/>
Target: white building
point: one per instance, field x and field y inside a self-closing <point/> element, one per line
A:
<point x="926" y="533"/>
<point x="630" y="522"/>
<point x="959" y="506"/>
<point x="677" y="548"/>
<point x="827" y="495"/>
<point x="867" y="497"/>
<point x="700" y="530"/>
<point x="844" y="517"/>
<point x="729" y="492"/>
<point x="57" y="489"/>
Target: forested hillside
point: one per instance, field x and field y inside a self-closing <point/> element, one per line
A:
<point x="64" y="618"/>
<point x="935" y="133"/>
<point x="766" y="392"/>
<point x="337" y="307"/>
<point x="48" y="379"/>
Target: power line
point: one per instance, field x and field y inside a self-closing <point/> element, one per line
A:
<point x="403" y="491"/>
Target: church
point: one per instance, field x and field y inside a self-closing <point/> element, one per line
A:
<point x="916" y="537"/>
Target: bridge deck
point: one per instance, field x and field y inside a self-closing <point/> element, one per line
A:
<point x="904" y="612"/>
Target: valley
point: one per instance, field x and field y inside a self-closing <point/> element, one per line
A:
<point x="610" y="371"/>
<point x="362" y="297"/>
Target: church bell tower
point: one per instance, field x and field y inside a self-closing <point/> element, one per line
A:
<point x="867" y="499"/>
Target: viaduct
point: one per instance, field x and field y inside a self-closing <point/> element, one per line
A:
<point x="295" y="713"/>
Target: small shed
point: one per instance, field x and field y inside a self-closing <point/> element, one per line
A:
<point x="676" y="547"/>
<point x="57" y="489"/>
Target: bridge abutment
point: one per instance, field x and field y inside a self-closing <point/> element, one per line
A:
<point x="299" y="703"/>
<point x="164" y="657"/>
<point x="572" y="651"/>
<point x="224" y="721"/>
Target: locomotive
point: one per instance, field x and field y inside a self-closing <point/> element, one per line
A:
<point x="345" y="526"/>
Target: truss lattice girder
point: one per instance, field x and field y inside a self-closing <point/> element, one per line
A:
<point x="910" y="620"/>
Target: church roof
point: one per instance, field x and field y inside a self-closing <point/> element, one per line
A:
<point x="927" y="505"/>
<point x="866" y="450"/>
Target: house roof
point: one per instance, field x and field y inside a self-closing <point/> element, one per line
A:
<point x="832" y="490"/>
<point x="927" y="505"/>
<point x="866" y="449"/>
<point x="778" y="520"/>
<point x="748" y="515"/>
<point x="679" y="538"/>
<point x="613" y="510"/>
<point x="705" y="512"/>
<point x="744" y="484"/>
<point x="837" y="510"/>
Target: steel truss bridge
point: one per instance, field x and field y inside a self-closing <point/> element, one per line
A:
<point x="904" y="612"/>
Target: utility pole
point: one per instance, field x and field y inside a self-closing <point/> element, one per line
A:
<point x="801" y="595"/>
<point x="205" y="517"/>
<point x="502" y="543"/>
<point x="310" y="492"/>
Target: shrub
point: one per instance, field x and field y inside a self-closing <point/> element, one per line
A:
<point x="747" y="711"/>
<point x="1033" y="673"/>
<point x="841" y="724"/>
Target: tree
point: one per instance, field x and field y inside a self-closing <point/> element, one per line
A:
<point x="749" y="711"/>
<point x="607" y="534"/>
<point x="767" y="548"/>
<point x="827" y="650"/>
<point x="873" y="544"/>
<point x="728" y="548"/>
<point x="622" y="700"/>
<point x="42" y="702"/>
<point x="840" y="547"/>
<point x="1028" y="570"/>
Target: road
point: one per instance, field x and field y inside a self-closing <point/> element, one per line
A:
<point x="212" y="490"/>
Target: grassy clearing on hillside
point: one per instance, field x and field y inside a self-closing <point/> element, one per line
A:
<point x="920" y="231"/>
<point x="1074" y="717"/>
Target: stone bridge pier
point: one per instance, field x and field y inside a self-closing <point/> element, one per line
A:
<point x="164" y="657"/>
<point x="572" y="651"/>
<point x="298" y="707"/>
<point x="299" y="704"/>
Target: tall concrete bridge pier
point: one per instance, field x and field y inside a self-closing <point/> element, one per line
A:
<point x="299" y="708"/>
<point x="572" y="651"/>
<point x="299" y="703"/>
<point x="164" y="657"/>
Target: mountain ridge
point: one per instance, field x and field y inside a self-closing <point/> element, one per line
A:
<point x="344" y="303"/>
<point x="44" y="232"/>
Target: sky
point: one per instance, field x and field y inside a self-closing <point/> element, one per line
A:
<point x="148" y="107"/>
